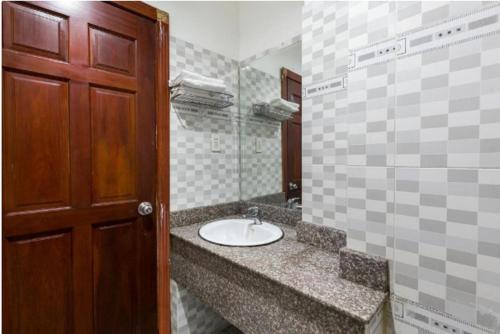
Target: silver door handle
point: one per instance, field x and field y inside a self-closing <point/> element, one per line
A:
<point x="145" y="208"/>
<point x="292" y="186"/>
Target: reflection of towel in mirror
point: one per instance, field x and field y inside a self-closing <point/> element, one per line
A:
<point x="285" y="105"/>
<point x="195" y="80"/>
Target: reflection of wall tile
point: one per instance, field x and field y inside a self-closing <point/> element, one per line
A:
<point x="260" y="171"/>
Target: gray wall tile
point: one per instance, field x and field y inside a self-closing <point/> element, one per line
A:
<point x="433" y="120"/>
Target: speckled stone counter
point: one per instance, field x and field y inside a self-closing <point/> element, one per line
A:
<point x="285" y="287"/>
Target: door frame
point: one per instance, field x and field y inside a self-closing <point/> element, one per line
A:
<point x="162" y="184"/>
<point x="284" y="74"/>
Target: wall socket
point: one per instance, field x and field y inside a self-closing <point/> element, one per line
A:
<point x="215" y="142"/>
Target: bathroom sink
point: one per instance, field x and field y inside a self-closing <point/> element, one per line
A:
<point x="240" y="232"/>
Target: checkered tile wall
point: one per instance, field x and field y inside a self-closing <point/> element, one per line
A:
<point x="407" y="159"/>
<point x="198" y="176"/>
<point x="191" y="316"/>
<point x="260" y="169"/>
<point x="324" y="124"/>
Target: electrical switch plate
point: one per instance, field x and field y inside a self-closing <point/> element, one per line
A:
<point x="258" y="145"/>
<point x="215" y="142"/>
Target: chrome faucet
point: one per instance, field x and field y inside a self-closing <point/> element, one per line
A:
<point x="293" y="203"/>
<point x="255" y="213"/>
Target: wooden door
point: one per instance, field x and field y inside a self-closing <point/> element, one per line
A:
<point x="291" y="90"/>
<point x="78" y="158"/>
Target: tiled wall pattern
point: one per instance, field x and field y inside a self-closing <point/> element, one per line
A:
<point x="199" y="177"/>
<point x="324" y="124"/>
<point x="190" y="315"/>
<point x="260" y="168"/>
<point x="282" y="45"/>
<point x="407" y="159"/>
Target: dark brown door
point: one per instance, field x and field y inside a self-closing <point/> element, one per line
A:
<point x="291" y="90"/>
<point x="78" y="158"/>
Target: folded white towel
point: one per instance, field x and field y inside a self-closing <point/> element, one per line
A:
<point x="195" y="80"/>
<point x="197" y="76"/>
<point x="285" y="105"/>
<point x="192" y="83"/>
<point x="181" y="89"/>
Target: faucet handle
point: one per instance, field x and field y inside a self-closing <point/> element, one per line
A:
<point x="253" y="211"/>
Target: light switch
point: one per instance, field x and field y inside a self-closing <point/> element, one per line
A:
<point x="215" y="142"/>
<point x="397" y="309"/>
<point x="258" y="145"/>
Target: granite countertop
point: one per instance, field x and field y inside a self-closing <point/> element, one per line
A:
<point x="303" y="268"/>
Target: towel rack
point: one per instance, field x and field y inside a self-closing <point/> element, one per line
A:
<point x="266" y="110"/>
<point x="200" y="97"/>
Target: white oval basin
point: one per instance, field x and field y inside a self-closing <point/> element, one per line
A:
<point x="240" y="232"/>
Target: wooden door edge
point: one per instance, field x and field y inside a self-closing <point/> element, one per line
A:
<point x="284" y="74"/>
<point x="142" y="9"/>
<point x="284" y="157"/>
<point x="162" y="199"/>
<point x="162" y="174"/>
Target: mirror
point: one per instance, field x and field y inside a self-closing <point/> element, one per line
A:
<point x="270" y="128"/>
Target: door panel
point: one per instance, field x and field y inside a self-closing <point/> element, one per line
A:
<point x="79" y="156"/>
<point x="35" y="31"/>
<point x="37" y="119"/>
<point x="112" y="52"/>
<point x="291" y="90"/>
<point x="113" y="145"/>
<point x="114" y="278"/>
<point x="39" y="283"/>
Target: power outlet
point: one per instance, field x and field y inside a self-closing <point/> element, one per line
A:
<point x="444" y="327"/>
<point x="215" y="142"/>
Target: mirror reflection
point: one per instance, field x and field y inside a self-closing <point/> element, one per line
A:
<point x="270" y="128"/>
